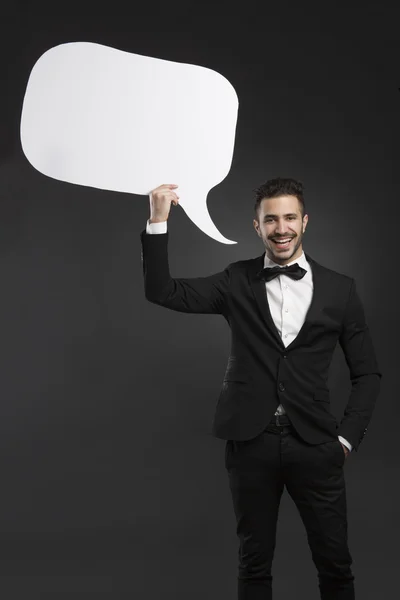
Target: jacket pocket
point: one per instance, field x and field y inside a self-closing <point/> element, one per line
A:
<point x="237" y="376"/>
<point x="322" y="395"/>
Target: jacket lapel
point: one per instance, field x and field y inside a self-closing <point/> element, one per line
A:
<point x="260" y="294"/>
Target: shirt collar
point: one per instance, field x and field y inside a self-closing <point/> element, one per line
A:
<point x="302" y="261"/>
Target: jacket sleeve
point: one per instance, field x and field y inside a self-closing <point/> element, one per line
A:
<point x="206" y="295"/>
<point x="356" y="343"/>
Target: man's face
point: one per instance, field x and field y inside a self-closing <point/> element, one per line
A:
<point x="280" y="220"/>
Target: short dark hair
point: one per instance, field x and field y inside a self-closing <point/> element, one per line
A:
<point x="280" y="186"/>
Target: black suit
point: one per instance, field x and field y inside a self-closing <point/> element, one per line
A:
<point x="261" y="374"/>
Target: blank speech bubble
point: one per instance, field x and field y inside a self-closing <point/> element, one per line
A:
<point x="100" y="117"/>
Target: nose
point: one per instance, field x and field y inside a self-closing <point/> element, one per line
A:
<point x="280" y="227"/>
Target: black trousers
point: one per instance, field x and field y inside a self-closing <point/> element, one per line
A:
<point x="258" y="470"/>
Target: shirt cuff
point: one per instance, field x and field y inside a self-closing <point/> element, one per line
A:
<point x="345" y="442"/>
<point x="156" y="227"/>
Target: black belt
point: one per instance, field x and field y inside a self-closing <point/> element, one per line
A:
<point x="280" y="421"/>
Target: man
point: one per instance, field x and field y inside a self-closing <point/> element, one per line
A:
<point x="286" y="313"/>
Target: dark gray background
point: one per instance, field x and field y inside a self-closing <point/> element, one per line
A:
<point x="111" y="485"/>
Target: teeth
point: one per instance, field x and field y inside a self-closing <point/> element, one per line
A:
<point x="283" y="241"/>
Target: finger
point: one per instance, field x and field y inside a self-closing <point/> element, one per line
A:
<point x="165" y="195"/>
<point x="161" y="188"/>
<point x="170" y="196"/>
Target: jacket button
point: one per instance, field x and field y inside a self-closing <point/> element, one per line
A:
<point x="281" y="386"/>
<point x="284" y="356"/>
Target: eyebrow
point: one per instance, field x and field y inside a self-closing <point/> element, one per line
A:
<point x="287" y="215"/>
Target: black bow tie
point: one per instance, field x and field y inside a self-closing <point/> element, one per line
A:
<point x="294" y="271"/>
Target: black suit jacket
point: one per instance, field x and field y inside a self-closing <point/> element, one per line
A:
<point x="261" y="372"/>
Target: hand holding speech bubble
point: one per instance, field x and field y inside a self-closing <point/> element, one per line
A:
<point x="101" y="117"/>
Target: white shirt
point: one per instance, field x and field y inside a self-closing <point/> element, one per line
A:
<point x="289" y="300"/>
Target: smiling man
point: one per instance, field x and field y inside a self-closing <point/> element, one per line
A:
<point x="281" y="224"/>
<point x="286" y="313"/>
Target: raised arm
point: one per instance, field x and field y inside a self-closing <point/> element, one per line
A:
<point x="206" y="295"/>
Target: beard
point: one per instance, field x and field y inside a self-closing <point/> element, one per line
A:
<point x="276" y="255"/>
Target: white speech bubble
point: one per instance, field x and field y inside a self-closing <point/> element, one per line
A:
<point x="101" y="117"/>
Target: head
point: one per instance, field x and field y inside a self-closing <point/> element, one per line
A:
<point x="280" y="215"/>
